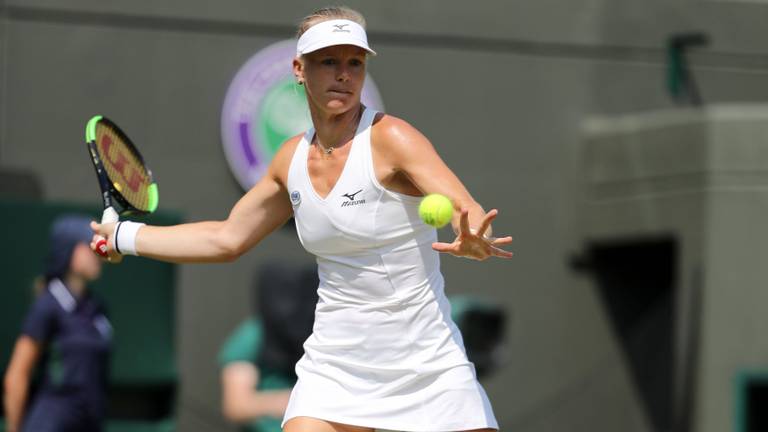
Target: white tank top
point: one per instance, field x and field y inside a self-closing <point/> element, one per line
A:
<point x="381" y="304"/>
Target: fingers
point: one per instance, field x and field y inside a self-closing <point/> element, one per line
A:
<point x="114" y="257"/>
<point x="476" y="254"/>
<point x="464" y="222"/>
<point x="491" y="215"/>
<point x="443" y="247"/>
<point x="102" y="230"/>
<point x="101" y="244"/>
<point x="474" y="244"/>
<point x="501" y="253"/>
<point x="501" y="240"/>
<point x="97" y="239"/>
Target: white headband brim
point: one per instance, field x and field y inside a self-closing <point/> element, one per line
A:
<point x="330" y="33"/>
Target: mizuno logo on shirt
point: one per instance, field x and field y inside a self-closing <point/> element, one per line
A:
<point x="352" y="201"/>
<point x="351" y="196"/>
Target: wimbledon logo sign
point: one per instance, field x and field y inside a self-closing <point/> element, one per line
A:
<point x="264" y="106"/>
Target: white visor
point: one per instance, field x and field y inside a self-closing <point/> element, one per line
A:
<point x="330" y="33"/>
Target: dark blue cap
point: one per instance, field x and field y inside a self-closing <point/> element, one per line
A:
<point x="66" y="232"/>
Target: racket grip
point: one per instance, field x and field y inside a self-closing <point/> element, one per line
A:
<point x="101" y="247"/>
<point x="109" y="216"/>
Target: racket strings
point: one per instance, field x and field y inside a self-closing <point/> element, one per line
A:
<point x="125" y="170"/>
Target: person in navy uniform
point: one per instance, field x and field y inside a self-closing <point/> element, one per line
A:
<point x="66" y="334"/>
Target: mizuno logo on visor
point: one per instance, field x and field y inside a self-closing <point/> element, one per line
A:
<point x="340" y="28"/>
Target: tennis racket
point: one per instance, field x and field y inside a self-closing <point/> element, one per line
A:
<point x="127" y="185"/>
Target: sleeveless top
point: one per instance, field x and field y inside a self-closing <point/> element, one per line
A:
<point x="382" y="333"/>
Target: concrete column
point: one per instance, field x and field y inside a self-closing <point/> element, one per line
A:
<point x="700" y="176"/>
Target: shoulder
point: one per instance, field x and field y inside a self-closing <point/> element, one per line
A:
<point x="249" y="330"/>
<point x="395" y="138"/>
<point x="243" y="344"/>
<point x="42" y="317"/>
<point x="282" y="160"/>
<point x="389" y="129"/>
<point x="45" y="303"/>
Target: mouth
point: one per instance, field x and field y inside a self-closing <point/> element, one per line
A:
<point x="340" y="91"/>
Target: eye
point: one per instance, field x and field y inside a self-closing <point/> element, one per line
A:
<point x="328" y="61"/>
<point x="356" y="62"/>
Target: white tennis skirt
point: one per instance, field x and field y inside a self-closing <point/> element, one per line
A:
<point x="447" y="400"/>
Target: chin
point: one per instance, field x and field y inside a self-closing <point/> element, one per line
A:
<point x="340" y="106"/>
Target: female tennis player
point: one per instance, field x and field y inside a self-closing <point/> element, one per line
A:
<point x="384" y="353"/>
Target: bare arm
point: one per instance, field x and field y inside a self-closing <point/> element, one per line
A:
<point x="17" y="378"/>
<point x="406" y="149"/>
<point x="259" y="212"/>
<point x="241" y="402"/>
<point x="402" y="148"/>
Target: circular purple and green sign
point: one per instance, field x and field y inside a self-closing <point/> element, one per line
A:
<point x="264" y="107"/>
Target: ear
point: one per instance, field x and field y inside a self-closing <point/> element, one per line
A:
<point x="298" y="68"/>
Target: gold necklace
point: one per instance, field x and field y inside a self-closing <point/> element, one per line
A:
<point x="329" y="150"/>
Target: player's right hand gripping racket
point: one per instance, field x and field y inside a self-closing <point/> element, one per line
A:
<point x="127" y="186"/>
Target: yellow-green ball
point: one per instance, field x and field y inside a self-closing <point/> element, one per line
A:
<point x="436" y="210"/>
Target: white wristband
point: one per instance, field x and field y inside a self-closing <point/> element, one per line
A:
<point x="125" y="237"/>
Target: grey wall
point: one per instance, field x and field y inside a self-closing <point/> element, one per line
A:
<point x="3" y="53"/>
<point x="501" y="89"/>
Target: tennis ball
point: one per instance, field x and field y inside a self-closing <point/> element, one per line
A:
<point x="436" y="210"/>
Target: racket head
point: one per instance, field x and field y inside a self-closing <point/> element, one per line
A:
<point x="124" y="176"/>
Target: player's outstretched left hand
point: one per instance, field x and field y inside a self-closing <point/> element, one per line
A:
<point x="474" y="244"/>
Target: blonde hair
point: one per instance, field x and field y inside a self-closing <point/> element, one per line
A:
<point x="329" y="13"/>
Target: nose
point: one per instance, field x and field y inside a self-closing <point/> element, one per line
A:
<point x="343" y="74"/>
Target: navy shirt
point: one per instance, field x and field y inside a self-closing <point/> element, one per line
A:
<point x="76" y="337"/>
